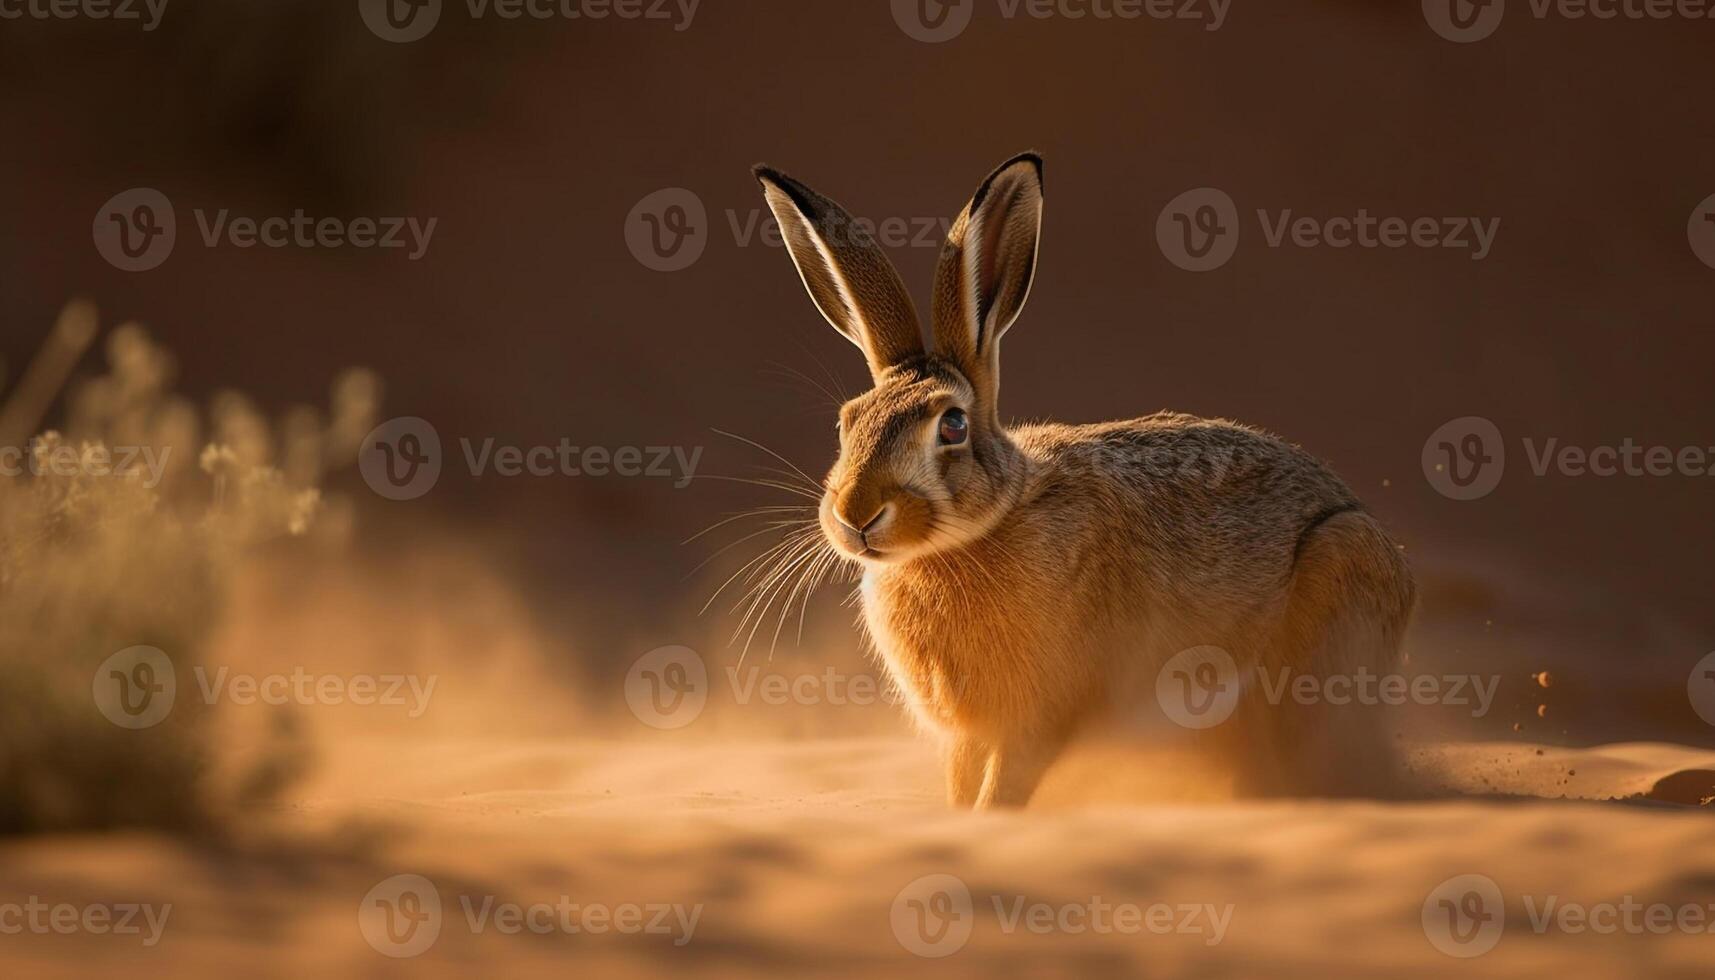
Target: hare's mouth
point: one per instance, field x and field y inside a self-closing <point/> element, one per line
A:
<point x="890" y="553"/>
<point x="867" y="553"/>
<point x="863" y="551"/>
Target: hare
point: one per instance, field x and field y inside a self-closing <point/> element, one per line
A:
<point x="1020" y="581"/>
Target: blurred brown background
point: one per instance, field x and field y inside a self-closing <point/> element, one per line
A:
<point x="529" y="319"/>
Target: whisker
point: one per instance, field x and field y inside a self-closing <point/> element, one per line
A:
<point x="771" y="526"/>
<point x="789" y="570"/>
<point x="770" y="484"/>
<point x="752" y="442"/>
<point x="756" y="512"/>
<point x="833" y="379"/>
<point x="777" y="472"/>
<point x="789" y="547"/>
<point x="830" y="558"/>
<point x="788" y="371"/>
<point x="767" y="591"/>
<point x="786" y="607"/>
<point x="741" y="570"/>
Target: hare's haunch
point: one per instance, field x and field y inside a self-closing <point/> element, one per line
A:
<point x="1019" y="582"/>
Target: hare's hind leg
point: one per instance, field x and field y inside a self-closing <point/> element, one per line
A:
<point x="1346" y="612"/>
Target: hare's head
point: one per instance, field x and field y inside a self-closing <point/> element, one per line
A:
<point x="924" y="463"/>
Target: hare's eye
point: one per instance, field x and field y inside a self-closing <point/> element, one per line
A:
<point x="954" y="428"/>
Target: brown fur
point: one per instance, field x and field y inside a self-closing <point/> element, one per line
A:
<point x="1024" y="584"/>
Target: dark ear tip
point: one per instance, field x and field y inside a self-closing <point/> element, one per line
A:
<point x="807" y="200"/>
<point x="1028" y="156"/>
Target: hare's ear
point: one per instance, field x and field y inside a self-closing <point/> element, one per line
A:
<point x="846" y="272"/>
<point x="986" y="267"/>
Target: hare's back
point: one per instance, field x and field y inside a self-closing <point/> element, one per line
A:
<point x="1202" y="494"/>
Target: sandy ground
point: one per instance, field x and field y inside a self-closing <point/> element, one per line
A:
<point x="485" y="839"/>
<point x="800" y="859"/>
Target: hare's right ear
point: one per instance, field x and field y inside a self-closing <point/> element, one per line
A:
<point x="846" y="272"/>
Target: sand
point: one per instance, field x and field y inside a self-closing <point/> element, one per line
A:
<point x="815" y="841"/>
<point x="797" y="852"/>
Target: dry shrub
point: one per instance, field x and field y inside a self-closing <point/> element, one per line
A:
<point x="99" y="553"/>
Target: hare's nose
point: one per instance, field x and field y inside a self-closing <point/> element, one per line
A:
<point x="855" y="527"/>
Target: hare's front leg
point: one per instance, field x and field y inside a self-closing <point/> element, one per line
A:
<point x="967" y="761"/>
<point x="1013" y="773"/>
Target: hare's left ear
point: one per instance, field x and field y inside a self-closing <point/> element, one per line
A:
<point x="987" y="266"/>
